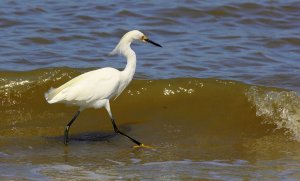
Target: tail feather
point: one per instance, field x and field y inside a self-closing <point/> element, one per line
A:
<point x="50" y="95"/>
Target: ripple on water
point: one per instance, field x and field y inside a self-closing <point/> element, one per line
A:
<point x="86" y="18"/>
<point x="39" y="40"/>
<point x="180" y="12"/>
<point x="127" y="13"/>
<point x="100" y="34"/>
<point x="279" y="42"/>
<point x="5" y="23"/>
<point x="50" y="30"/>
<point x="74" y="37"/>
<point x="222" y="12"/>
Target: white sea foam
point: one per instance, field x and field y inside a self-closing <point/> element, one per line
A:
<point x="281" y="108"/>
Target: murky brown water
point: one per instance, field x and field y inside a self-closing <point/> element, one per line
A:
<point x="198" y="128"/>
<point x="238" y="118"/>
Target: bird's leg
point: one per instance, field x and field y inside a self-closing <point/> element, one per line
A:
<point x="107" y="107"/>
<point x="118" y="131"/>
<point x="68" y="127"/>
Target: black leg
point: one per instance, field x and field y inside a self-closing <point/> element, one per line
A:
<point x="68" y="127"/>
<point x="118" y="131"/>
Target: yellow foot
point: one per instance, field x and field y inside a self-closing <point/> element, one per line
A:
<point x="142" y="146"/>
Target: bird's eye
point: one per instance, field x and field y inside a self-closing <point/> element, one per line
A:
<point x="143" y="37"/>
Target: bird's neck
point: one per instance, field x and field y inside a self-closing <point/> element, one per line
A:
<point x="131" y="64"/>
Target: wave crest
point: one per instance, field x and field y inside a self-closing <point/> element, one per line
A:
<point x="281" y="108"/>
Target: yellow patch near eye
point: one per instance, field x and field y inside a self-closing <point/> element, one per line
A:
<point x="143" y="38"/>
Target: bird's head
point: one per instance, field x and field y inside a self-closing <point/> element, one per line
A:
<point x="128" y="38"/>
<point x="137" y="35"/>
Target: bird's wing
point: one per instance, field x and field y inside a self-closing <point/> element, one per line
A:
<point x="90" y="86"/>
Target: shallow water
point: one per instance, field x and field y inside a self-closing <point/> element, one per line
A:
<point x="219" y="101"/>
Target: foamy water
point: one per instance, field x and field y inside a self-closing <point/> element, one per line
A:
<point x="279" y="108"/>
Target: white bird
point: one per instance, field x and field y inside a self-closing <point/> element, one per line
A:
<point x="94" y="89"/>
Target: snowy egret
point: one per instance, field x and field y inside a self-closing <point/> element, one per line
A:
<point x="94" y="89"/>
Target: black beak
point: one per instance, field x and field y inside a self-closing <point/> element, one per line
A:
<point x="149" y="41"/>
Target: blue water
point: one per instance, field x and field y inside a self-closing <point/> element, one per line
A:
<point x="256" y="43"/>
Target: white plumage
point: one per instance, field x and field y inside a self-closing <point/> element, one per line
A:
<point x="94" y="89"/>
<point x="88" y="89"/>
